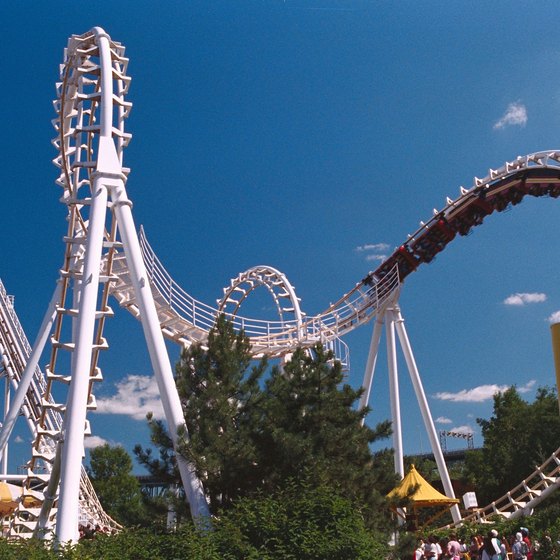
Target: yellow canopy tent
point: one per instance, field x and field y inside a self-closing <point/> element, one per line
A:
<point x="421" y="494"/>
<point x="9" y="497"/>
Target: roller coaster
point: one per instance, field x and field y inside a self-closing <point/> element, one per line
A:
<point x="105" y="256"/>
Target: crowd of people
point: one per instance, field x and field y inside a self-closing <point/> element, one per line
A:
<point x="87" y="531"/>
<point x="489" y="547"/>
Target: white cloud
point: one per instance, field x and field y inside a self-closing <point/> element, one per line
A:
<point x="18" y="439"/>
<point x="481" y="393"/>
<point x="527" y="387"/>
<point x="554" y="318"/>
<point x="376" y="251"/>
<point x="94" y="441"/>
<point x="525" y="298"/>
<point x="443" y="420"/>
<point x="477" y="394"/>
<point x="516" y="114"/>
<point x="136" y="396"/>
<point x="373" y="247"/>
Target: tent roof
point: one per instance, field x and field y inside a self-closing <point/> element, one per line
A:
<point x="9" y="495"/>
<point x="424" y="495"/>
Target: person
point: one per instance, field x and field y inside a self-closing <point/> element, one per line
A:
<point x="453" y="548"/>
<point x="430" y="548"/>
<point x="519" y="548"/>
<point x="491" y="547"/>
<point x="419" y="552"/>
<point x="527" y="541"/>
<point x="439" y="551"/>
<point x="474" y="547"/>
<point x="504" y="547"/>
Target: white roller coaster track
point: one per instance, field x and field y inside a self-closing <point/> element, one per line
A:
<point x="102" y="259"/>
<point x="15" y="351"/>
<point x="525" y="497"/>
<point x="185" y="319"/>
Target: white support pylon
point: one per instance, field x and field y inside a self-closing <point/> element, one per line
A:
<point x="108" y="190"/>
<point x="394" y="321"/>
<point x="76" y="406"/>
<point x="7" y="396"/>
<point x="157" y="350"/>
<point x="394" y="393"/>
<point x="371" y="362"/>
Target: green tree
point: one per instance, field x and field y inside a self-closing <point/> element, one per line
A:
<point x="310" y="424"/>
<point x="518" y="437"/>
<point x="118" y="490"/>
<point x="248" y="433"/>
<point x="221" y="396"/>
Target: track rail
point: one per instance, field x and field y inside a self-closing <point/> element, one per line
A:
<point x="187" y="320"/>
<point x="14" y="352"/>
<point x="528" y="494"/>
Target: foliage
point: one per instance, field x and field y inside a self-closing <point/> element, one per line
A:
<point x="221" y="396"/>
<point x="118" y="490"/>
<point x="130" y="544"/>
<point x="303" y="521"/>
<point x="310" y="425"/>
<point x="517" y="437"/>
<point x="247" y="433"/>
<point x="300" y="522"/>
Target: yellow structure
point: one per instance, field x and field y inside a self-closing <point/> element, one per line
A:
<point x="9" y="496"/>
<point x="421" y="494"/>
<point x="555" y="331"/>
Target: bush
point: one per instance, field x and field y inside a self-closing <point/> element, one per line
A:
<point x="299" y="522"/>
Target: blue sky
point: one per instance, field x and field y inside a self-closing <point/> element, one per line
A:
<point x="295" y="134"/>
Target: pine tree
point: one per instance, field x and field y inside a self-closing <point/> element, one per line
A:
<point x="254" y="429"/>
<point x="220" y="392"/>
<point x="312" y="428"/>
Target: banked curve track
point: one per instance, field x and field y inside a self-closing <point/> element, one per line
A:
<point x="186" y="320"/>
<point x="92" y="109"/>
<point x="525" y="497"/>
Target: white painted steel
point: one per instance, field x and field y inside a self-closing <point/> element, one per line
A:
<point x="77" y="401"/>
<point x="91" y="141"/>
<point x="91" y="111"/>
<point x="158" y="352"/>
<point x="31" y="369"/>
<point x="525" y="497"/>
<point x="371" y="362"/>
<point x="29" y="384"/>
<point x="186" y="320"/>
<point x="424" y="409"/>
<point x="85" y="322"/>
<point x="394" y="322"/>
<point x="398" y="453"/>
<point x="7" y="396"/>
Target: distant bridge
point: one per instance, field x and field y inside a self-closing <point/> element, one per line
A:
<point x="451" y="457"/>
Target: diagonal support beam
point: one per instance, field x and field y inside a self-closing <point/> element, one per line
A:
<point x="394" y="322"/>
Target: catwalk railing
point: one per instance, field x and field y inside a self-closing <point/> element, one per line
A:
<point x="184" y="318"/>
